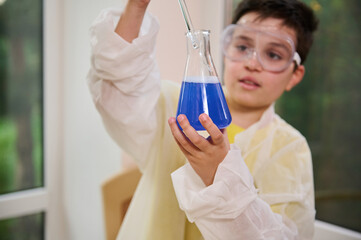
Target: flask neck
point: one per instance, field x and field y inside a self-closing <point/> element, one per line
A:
<point x="199" y="59"/>
<point x="198" y="42"/>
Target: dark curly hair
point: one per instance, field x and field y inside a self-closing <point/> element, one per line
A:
<point x="295" y="14"/>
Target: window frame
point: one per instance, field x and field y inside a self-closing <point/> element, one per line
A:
<point x="47" y="199"/>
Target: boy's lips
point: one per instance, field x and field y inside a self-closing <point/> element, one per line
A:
<point x="249" y="83"/>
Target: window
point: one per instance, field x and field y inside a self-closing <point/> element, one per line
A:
<point x="324" y="107"/>
<point x="29" y="227"/>
<point x="21" y="111"/>
<point x="21" y="95"/>
<point x="29" y="125"/>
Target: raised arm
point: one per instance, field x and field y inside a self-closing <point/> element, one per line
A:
<point x="124" y="79"/>
<point x="131" y="20"/>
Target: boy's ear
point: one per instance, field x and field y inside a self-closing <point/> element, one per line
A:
<point x="296" y="78"/>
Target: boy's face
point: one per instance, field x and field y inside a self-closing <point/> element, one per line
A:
<point x="248" y="84"/>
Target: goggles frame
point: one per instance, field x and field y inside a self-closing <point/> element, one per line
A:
<point x="227" y="38"/>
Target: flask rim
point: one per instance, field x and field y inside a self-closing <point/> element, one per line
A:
<point x="198" y="31"/>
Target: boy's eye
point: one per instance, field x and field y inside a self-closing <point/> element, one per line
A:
<point x="274" y="55"/>
<point x="242" y="48"/>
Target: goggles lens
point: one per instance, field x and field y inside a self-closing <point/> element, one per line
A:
<point x="274" y="51"/>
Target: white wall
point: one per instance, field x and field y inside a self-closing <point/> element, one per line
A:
<point x="90" y="156"/>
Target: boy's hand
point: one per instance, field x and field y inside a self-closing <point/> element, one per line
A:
<point x="131" y="20"/>
<point x="204" y="155"/>
<point x="139" y="3"/>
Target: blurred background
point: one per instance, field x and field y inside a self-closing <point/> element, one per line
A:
<point x="55" y="154"/>
<point x="325" y="109"/>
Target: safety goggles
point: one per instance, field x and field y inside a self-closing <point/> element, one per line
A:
<point x="274" y="51"/>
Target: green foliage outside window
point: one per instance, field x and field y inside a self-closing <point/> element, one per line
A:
<point x="21" y="114"/>
<point x="21" y="76"/>
<point x="30" y="227"/>
<point x="8" y="155"/>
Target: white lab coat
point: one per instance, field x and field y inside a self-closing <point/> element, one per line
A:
<point x="262" y="190"/>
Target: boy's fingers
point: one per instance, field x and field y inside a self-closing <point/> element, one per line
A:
<point x="181" y="139"/>
<point x="186" y="153"/>
<point x="193" y="136"/>
<point x="214" y="132"/>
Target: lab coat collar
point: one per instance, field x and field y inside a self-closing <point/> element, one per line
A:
<point x="266" y="117"/>
<point x="243" y="139"/>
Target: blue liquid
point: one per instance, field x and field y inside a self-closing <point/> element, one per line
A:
<point x="197" y="98"/>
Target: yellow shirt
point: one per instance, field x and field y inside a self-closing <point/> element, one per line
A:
<point x="232" y="131"/>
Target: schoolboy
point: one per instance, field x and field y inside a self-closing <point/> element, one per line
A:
<point x="260" y="187"/>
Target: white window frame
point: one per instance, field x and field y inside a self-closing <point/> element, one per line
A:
<point x="48" y="199"/>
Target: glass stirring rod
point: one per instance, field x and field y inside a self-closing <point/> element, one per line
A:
<point x="188" y="22"/>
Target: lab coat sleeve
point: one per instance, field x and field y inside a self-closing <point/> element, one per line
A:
<point x="124" y="82"/>
<point x="231" y="207"/>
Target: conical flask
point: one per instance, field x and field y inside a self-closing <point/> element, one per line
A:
<point x="201" y="90"/>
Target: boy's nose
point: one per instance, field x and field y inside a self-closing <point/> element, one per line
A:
<point x="252" y="63"/>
